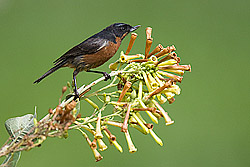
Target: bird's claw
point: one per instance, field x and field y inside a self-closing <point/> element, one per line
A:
<point x="76" y="95"/>
<point x="107" y="76"/>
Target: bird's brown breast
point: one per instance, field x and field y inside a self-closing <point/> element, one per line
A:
<point x="102" y="56"/>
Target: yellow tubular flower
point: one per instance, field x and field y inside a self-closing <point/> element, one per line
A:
<point x="168" y="62"/>
<point x="124" y="58"/>
<point x="155" y="137"/>
<point x="150" y="114"/>
<point x="131" y="146"/>
<point x="147" y="82"/>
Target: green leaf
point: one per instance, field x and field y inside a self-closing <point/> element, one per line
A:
<point x="12" y="159"/>
<point x="17" y="128"/>
<point x="20" y="126"/>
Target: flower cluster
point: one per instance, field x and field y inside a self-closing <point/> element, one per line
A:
<point x="144" y="82"/>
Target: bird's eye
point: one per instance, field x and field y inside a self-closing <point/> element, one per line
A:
<point x="122" y="28"/>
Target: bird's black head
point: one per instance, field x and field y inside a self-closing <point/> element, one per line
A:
<point x="121" y="29"/>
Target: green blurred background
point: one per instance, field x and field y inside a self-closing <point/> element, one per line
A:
<point x="211" y="115"/>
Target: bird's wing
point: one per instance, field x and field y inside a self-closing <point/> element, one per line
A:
<point x="89" y="46"/>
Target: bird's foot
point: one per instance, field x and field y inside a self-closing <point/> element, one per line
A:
<point x="76" y="95"/>
<point x="107" y="76"/>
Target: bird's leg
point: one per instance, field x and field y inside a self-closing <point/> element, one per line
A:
<point x="75" y="89"/>
<point x="106" y="75"/>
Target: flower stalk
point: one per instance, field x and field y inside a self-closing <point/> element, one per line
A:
<point x="125" y="123"/>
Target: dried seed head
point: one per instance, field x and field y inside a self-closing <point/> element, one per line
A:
<point x="78" y="116"/>
<point x="58" y="109"/>
<point x="50" y="111"/>
<point x="67" y="125"/>
<point x="58" y="118"/>
<point x="64" y="89"/>
<point x="69" y="107"/>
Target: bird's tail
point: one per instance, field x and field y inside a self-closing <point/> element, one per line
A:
<point x="53" y="69"/>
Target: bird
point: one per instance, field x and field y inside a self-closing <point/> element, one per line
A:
<point x="92" y="52"/>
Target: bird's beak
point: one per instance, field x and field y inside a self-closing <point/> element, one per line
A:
<point x="135" y="28"/>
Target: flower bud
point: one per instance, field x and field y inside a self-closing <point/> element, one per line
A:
<point x="91" y="103"/>
<point x="133" y="94"/>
